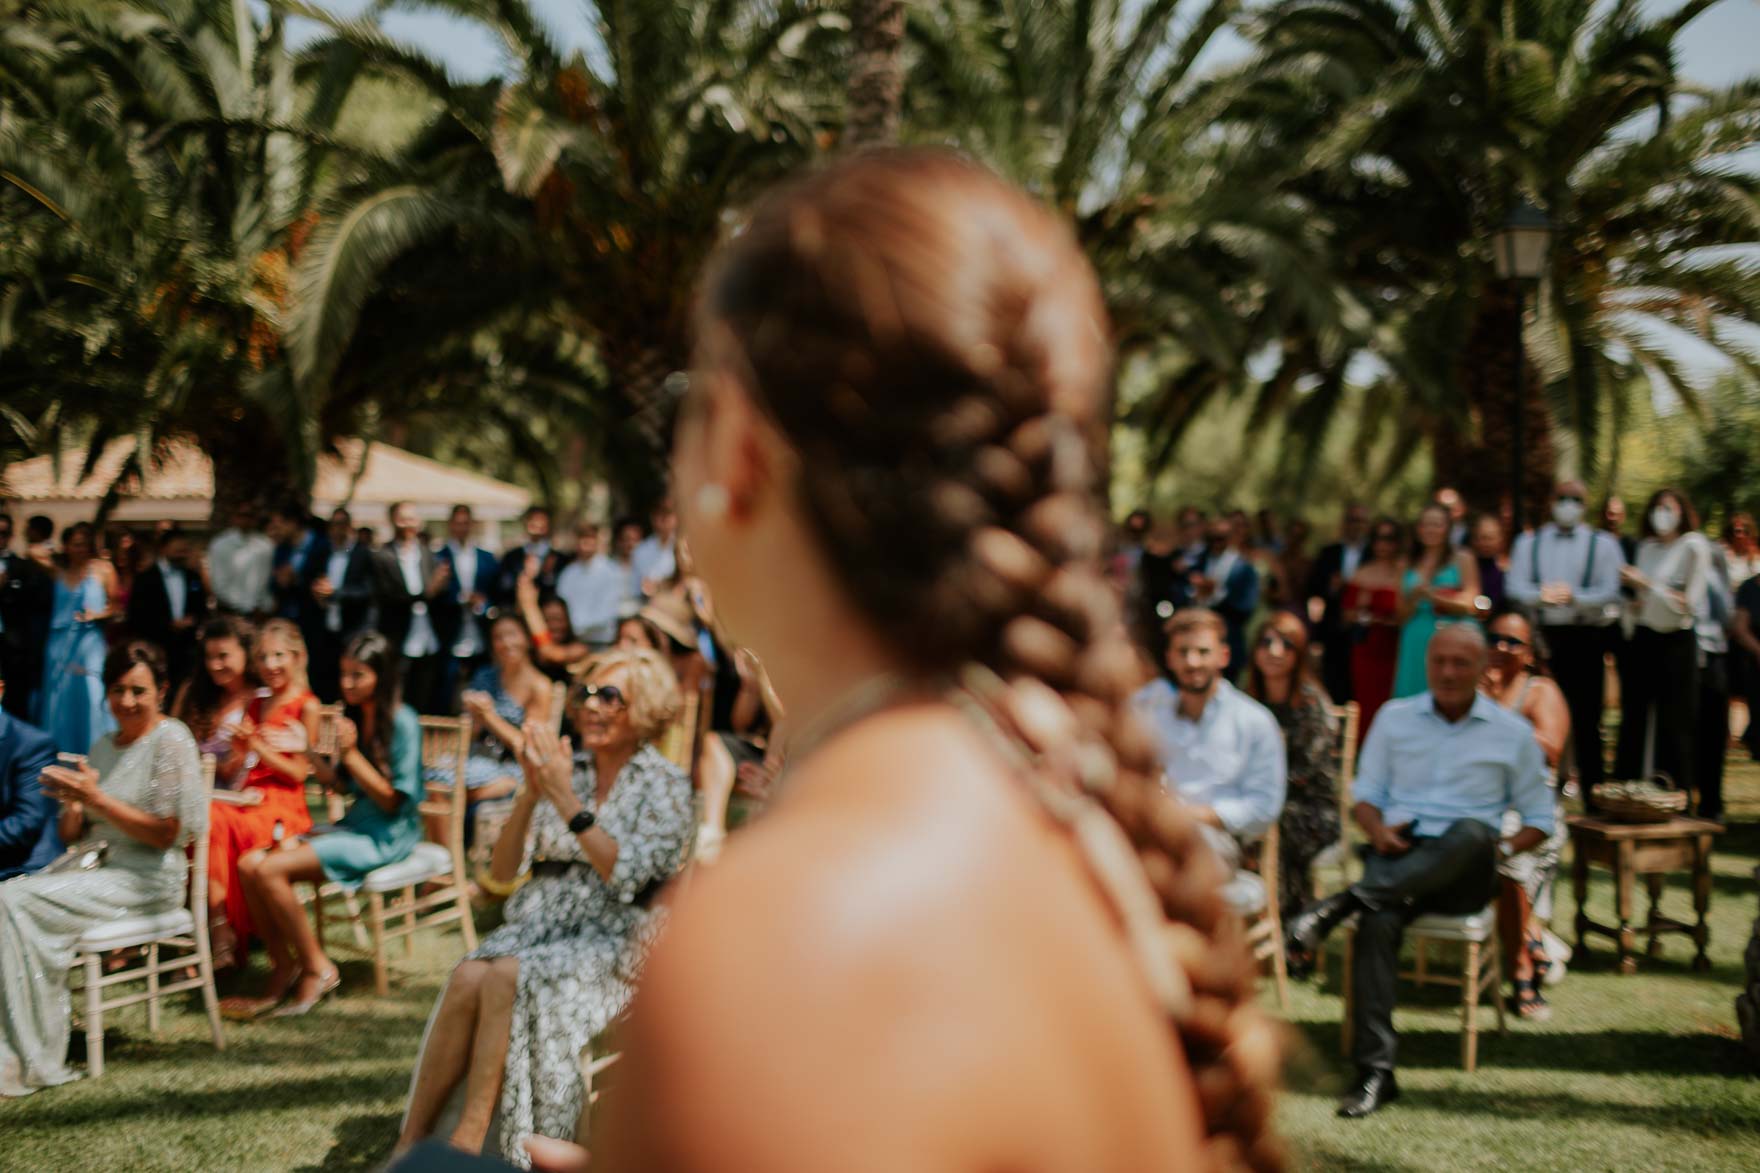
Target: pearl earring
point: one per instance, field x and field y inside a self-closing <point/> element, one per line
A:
<point x="712" y="502"/>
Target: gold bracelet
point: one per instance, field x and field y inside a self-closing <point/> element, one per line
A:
<point x="496" y="888"/>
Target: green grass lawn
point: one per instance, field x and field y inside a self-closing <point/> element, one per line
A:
<point x="1640" y="1072"/>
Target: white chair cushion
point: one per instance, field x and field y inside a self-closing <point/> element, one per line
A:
<point x="137" y="930"/>
<point x="429" y="861"/>
<point x="1476" y="926"/>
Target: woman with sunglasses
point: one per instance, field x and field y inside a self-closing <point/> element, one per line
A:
<point x="1524" y="905"/>
<point x="1282" y="679"/>
<point x="1371" y="606"/>
<point x="591" y="838"/>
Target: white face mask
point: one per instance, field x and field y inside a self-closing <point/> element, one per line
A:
<point x="1567" y="513"/>
<point x="1664" y="520"/>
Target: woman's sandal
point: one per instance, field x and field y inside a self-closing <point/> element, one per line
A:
<point x="327" y="985"/>
<point x="1530" y="1005"/>
<point x="1541" y="959"/>
<point x="248" y="1009"/>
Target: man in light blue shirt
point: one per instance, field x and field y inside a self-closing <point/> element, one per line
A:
<point x="1221" y="751"/>
<point x="1437" y="773"/>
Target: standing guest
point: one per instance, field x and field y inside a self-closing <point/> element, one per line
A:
<point x="591" y="840"/>
<point x="555" y="648"/>
<point x="275" y="738"/>
<point x="1220" y="750"/>
<point x="70" y="704"/>
<point x="26" y="598"/>
<point x="1281" y="679"/>
<point x="1744" y="634"/>
<point x="1226" y="582"/>
<point x="378" y="765"/>
<point x="409" y="582"/>
<point x="595" y="586"/>
<point x="39" y="541"/>
<point x="656" y="558"/>
<point x="462" y="613"/>
<point x="1437" y="773"/>
<point x="215" y="701"/>
<point x="1371" y="607"/>
<point x="1711" y="629"/>
<point x="240" y="559"/>
<point x="299" y="551"/>
<point x="1456" y="507"/>
<point x="1568" y="576"/>
<point x="141" y="795"/>
<point x="1491" y="555"/>
<point x="1291" y="569"/>
<point x="503" y="695"/>
<point x="1193" y="535"/>
<point x="341" y="591"/>
<point x="1333" y="569"/>
<point x="1132" y="534"/>
<point x="1441" y="583"/>
<point x="1161" y="585"/>
<point x="1741" y="551"/>
<point x="1524" y="902"/>
<point x="124" y="552"/>
<point x="1659" y="718"/>
<point x="1266" y="534"/>
<point x="28" y="839"/>
<point x="626" y="539"/>
<point x="1613" y="521"/>
<point x="536" y="520"/>
<point x="169" y="603"/>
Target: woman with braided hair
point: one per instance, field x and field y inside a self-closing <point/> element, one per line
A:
<point x="971" y="932"/>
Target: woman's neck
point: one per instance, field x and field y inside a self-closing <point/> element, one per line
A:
<point x="608" y="763"/>
<point x="123" y="737"/>
<point x="1278" y="689"/>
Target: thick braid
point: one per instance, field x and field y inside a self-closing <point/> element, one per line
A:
<point x="932" y="344"/>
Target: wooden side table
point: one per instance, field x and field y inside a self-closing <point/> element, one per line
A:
<point x="1650" y="850"/>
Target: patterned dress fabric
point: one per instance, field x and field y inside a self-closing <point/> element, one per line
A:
<point x="1309" y="822"/>
<point x="42" y="916"/>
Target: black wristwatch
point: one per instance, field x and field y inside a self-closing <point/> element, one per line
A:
<point x="582" y="822"/>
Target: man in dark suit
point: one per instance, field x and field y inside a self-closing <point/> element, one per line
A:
<point x="26" y="598"/>
<point x="28" y="837"/>
<point x="341" y="590"/>
<point x="462" y="614"/>
<point x="169" y="603"/>
<point x="409" y="583"/>
<point x="1331" y="573"/>
<point x="537" y="545"/>
<point x="1226" y="582"/>
<point x="298" y="550"/>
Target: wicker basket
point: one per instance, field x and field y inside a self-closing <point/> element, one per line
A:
<point x="1615" y="801"/>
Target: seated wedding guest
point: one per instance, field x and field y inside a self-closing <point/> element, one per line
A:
<point x="275" y="735"/>
<point x="169" y="603"/>
<point x="141" y="795"/>
<point x="378" y="765"/>
<point x="555" y="648"/>
<point x="504" y="694"/>
<point x="1524" y="901"/>
<point x="1436" y="775"/>
<point x="1220" y="750"/>
<point x="592" y="838"/>
<point x="215" y="701"/>
<point x="744" y="713"/>
<point x="1281" y="678"/>
<point x="70" y="705"/>
<point x="27" y="823"/>
<point x="655" y="559"/>
<point x="239" y="560"/>
<point x="667" y="625"/>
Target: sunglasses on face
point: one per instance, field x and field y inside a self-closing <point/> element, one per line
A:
<point x="1507" y="642"/>
<point x="608" y="695"/>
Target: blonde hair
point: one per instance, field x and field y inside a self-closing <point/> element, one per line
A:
<point x="287" y="632"/>
<point x="653" y="696"/>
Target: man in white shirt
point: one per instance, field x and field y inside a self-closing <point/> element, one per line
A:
<point x="239" y="561"/>
<point x="1566" y="574"/>
<point x="410" y="581"/>
<point x="462" y="616"/>
<point x="1450" y="499"/>
<point x="1220" y="750"/>
<point x="342" y="590"/>
<point x="169" y="603"/>
<point x="655" y="559"/>
<point x="595" y="586"/>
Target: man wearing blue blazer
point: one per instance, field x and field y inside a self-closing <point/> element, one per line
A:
<point x="462" y="614"/>
<point x="28" y="838"/>
<point x="1226" y="582"/>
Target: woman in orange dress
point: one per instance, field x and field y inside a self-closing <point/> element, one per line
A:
<point x="275" y="735"/>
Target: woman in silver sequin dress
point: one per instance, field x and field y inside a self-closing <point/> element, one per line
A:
<point x="142" y="795"/>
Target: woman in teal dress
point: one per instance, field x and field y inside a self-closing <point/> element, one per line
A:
<point x="379" y="762"/>
<point x="1441" y="585"/>
<point x="70" y="704"/>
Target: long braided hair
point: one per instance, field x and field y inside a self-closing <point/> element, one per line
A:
<point x="934" y="345"/>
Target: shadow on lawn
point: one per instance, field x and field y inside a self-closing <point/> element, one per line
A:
<point x="1601" y="1052"/>
<point x="285" y="1094"/>
<point x="362" y="1142"/>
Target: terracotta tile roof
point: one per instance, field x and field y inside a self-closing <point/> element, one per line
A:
<point x="183" y="472"/>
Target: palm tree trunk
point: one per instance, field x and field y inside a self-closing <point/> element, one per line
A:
<point x="252" y="466"/>
<point x="876" y="76"/>
<point x="1478" y="458"/>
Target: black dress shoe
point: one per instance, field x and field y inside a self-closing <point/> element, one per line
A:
<point x="1301" y="941"/>
<point x="1374" y="1088"/>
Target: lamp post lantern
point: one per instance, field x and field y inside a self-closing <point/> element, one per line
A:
<point x="1518" y="251"/>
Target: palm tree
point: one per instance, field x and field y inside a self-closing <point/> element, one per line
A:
<point x="876" y="74"/>
<point x="584" y="191"/>
<point x="1414" y="129"/>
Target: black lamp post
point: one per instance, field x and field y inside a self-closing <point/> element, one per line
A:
<point x="1519" y="251"/>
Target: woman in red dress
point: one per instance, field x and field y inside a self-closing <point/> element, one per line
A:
<point x="277" y="731"/>
<point x="1371" y="600"/>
